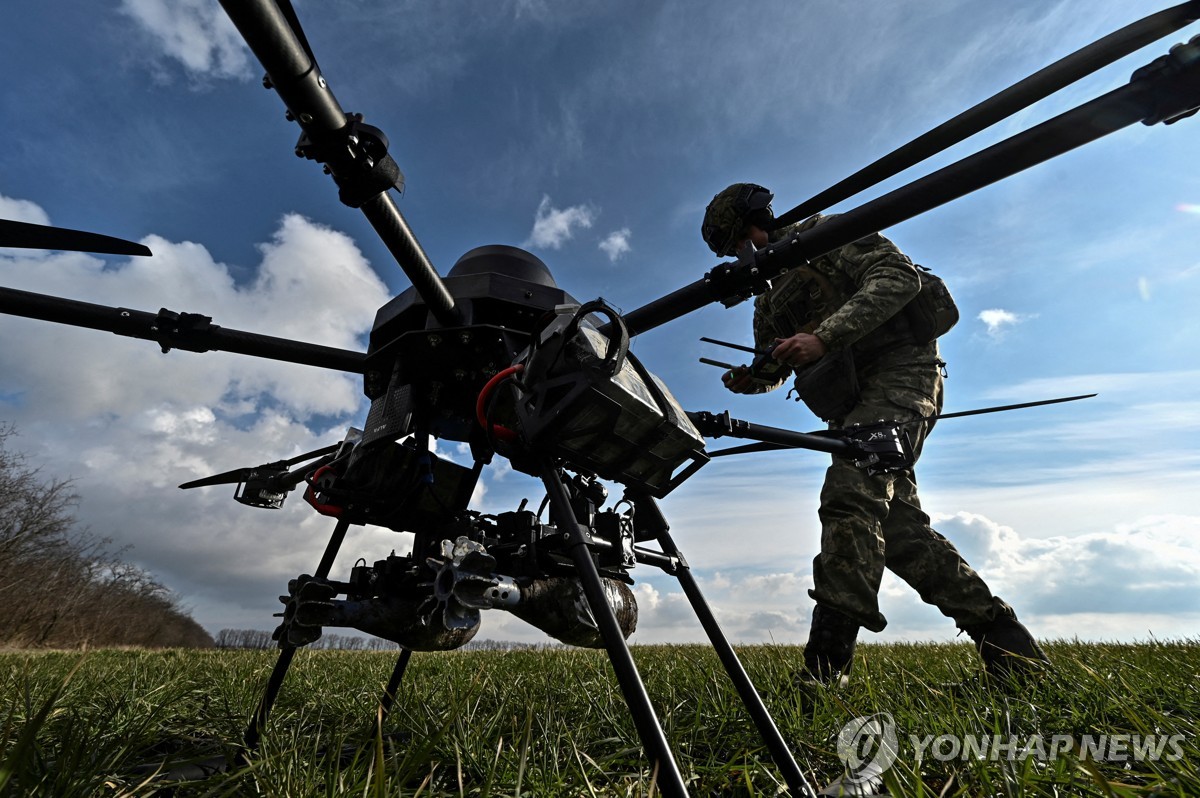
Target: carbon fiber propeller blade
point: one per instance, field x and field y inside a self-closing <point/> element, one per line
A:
<point x="24" y="235"/>
<point x="767" y="446"/>
<point x="241" y="474"/>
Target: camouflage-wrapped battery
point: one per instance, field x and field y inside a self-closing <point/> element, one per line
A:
<point x="559" y="608"/>
<point x="584" y="397"/>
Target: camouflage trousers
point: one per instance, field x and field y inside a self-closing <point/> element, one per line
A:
<point x="869" y="523"/>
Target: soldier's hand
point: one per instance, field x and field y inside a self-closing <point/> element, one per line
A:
<point x="799" y="350"/>
<point x="738" y="379"/>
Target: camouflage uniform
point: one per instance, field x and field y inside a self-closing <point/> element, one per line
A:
<point x="851" y="298"/>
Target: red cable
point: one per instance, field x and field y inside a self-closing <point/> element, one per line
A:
<point x="310" y="496"/>
<point x="501" y="433"/>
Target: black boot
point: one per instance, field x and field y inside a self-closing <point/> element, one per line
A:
<point x="829" y="653"/>
<point x="1007" y="648"/>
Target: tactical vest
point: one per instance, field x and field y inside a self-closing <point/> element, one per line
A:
<point x="801" y="299"/>
<point x="798" y="302"/>
<point x="808" y="294"/>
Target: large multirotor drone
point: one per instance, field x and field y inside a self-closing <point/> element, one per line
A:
<point x="497" y="356"/>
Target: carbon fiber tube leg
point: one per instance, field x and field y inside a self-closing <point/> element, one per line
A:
<point x="388" y="699"/>
<point x="767" y="730"/>
<point x="253" y="732"/>
<point x="669" y="780"/>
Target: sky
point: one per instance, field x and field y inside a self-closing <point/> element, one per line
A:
<point x="593" y="134"/>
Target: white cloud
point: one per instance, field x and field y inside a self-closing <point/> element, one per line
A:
<point x="1149" y="566"/>
<point x="773" y="586"/>
<point x="128" y="424"/>
<point x="998" y="321"/>
<point x="648" y="597"/>
<point x="1123" y="387"/>
<point x="665" y="616"/>
<point x="196" y="33"/>
<point x="616" y="244"/>
<point x="19" y="210"/>
<point x="1131" y="581"/>
<point x="313" y="285"/>
<point x="975" y="536"/>
<point x="536" y="9"/>
<point x="552" y="227"/>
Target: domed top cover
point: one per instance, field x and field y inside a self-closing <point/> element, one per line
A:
<point x="506" y="260"/>
<point x="492" y="285"/>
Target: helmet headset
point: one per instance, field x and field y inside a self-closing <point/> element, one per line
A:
<point x="731" y="212"/>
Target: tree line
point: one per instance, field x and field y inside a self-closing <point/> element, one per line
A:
<point x="62" y="586"/>
<point x="258" y="639"/>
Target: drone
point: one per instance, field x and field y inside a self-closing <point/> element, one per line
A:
<point x="497" y="356"/>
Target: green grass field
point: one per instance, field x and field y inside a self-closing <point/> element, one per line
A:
<point x="549" y="723"/>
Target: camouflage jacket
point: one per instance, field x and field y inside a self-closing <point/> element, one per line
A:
<point x="849" y="298"/>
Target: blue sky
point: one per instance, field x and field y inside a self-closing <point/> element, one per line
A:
<point x="593" y="134"/>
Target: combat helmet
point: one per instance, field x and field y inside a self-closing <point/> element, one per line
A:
<point x="726" y="217"/>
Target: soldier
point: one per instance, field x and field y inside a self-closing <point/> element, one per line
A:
<point x="843" y="312"/>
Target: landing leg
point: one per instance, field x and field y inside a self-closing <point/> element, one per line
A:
<point x="774" y="741"/>
<point x="254" y="731"/>
<point x="654" y="741"/>
<point x="388" y="699"/>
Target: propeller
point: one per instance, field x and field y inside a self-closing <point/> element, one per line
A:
<point x="804" y="443"/>
<point x="25" y="235"/>
<point x="266" y="486"/>
<point x="278" y="468"/>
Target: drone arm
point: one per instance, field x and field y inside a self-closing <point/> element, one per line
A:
<point x="1160" y="91"/>
<point x="728" y="283"/>
<point x="1166" y="90"/>
<point x="1020" y="95"/>
<point x="188" y="331"/>
<point x="353" y="153"/>
<point x="718" y="425"/>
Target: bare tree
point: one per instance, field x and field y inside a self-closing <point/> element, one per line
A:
<point x="60" y="584"/>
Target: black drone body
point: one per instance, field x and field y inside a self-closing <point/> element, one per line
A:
<point x="501" y="293"/>
<point x="429" y="380"/>
<point x="496" y="356"/>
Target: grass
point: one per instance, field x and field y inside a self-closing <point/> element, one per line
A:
<point x="550" y="723"/>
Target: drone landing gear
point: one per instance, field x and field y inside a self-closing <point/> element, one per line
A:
<point x="652" y="523"/>
<point x="287" y="652"/>
<point x="649" y="729"/>
<point x="579" y="545"/>
<point x="671" y="560"/>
